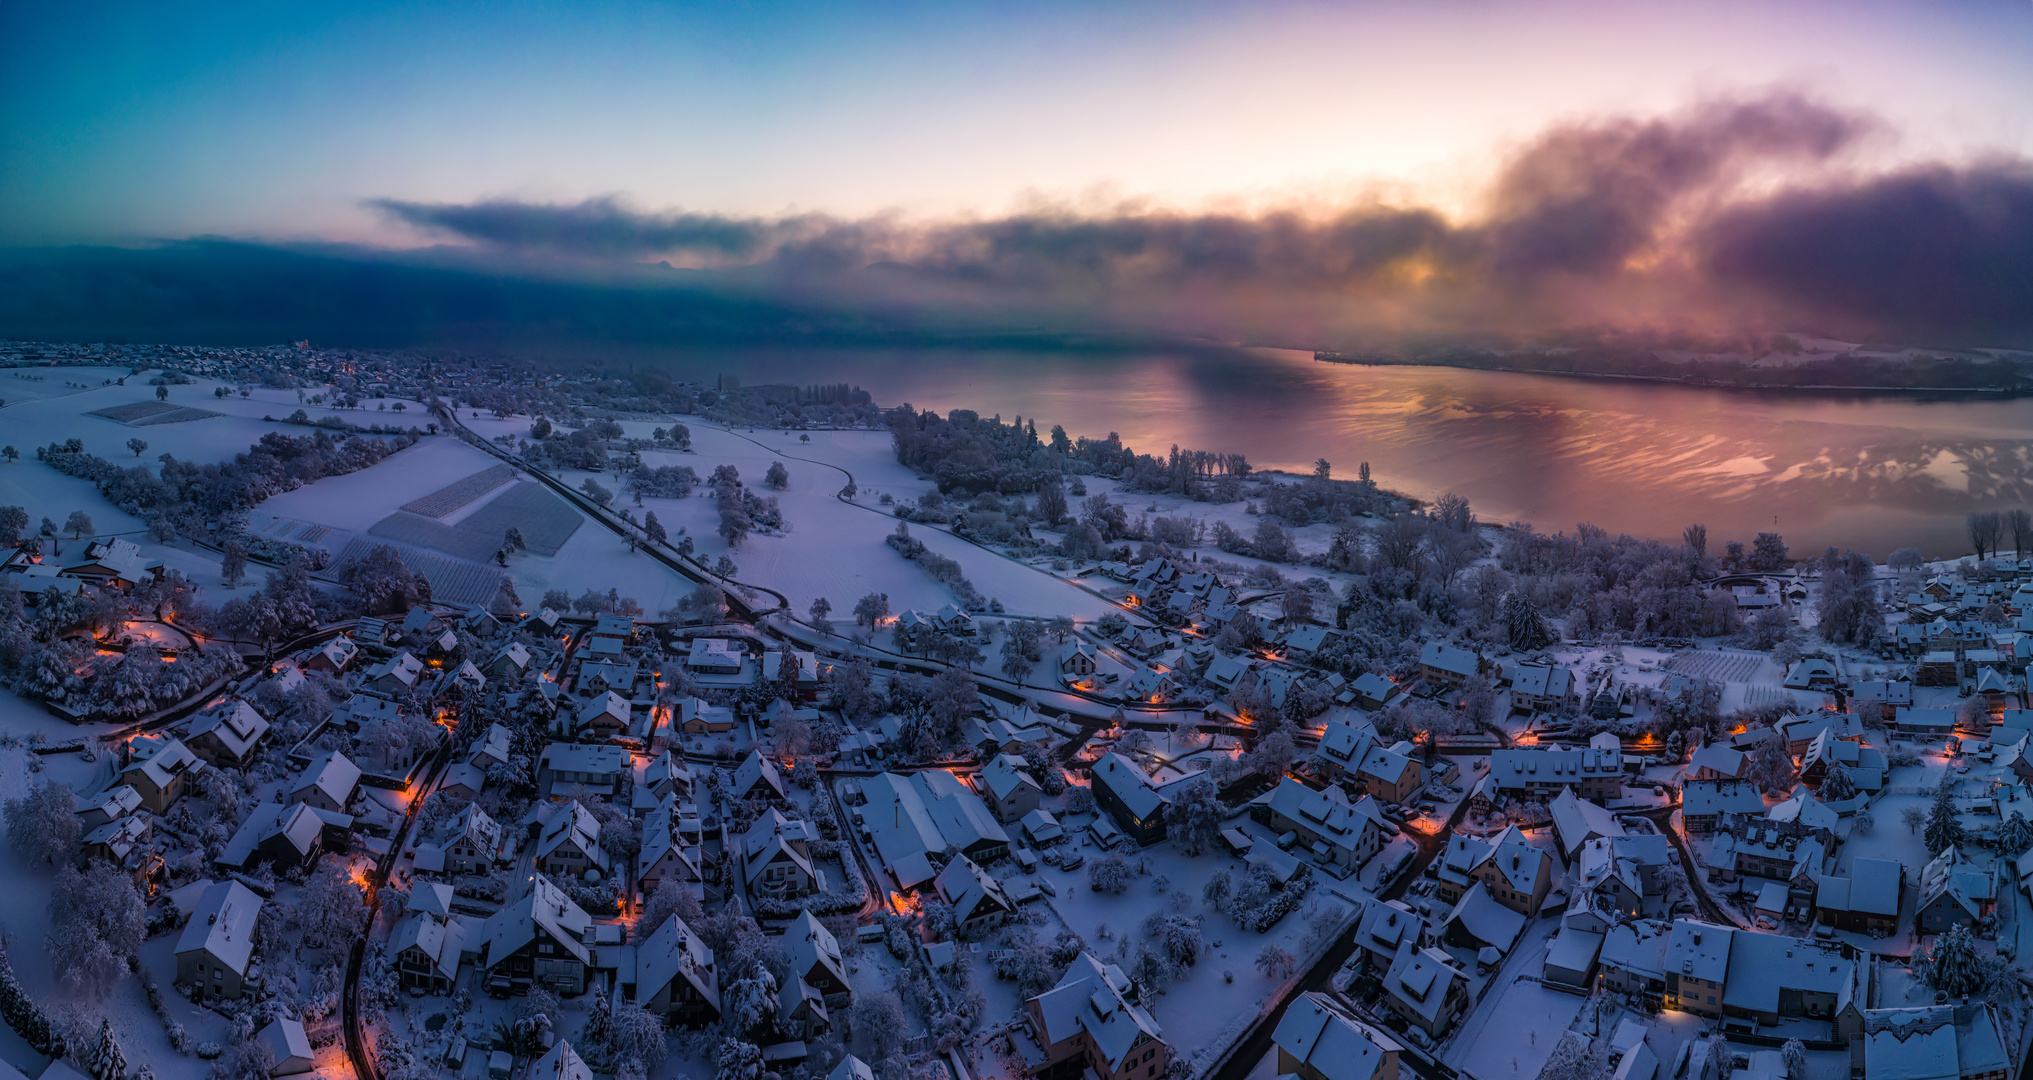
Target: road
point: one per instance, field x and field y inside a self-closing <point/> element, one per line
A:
<point x="356" y="1035"/>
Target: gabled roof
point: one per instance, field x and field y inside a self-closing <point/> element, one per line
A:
<point x="576" y="824"/>
<point x="166" y="757"/>
<point x="1096" y="998"/>
<point x="1449" y="658"/>
<point x="546" y="906"/>
<point x="1577" y="821"/>
<point x="233" y="724"/>
<point x="1130" y="784"/>
<point x="222" y="924"/>
<point x="610" y="705"/>
<point x="926" y="812"/>
<point x="1007" y="773"/>
<point x="561" y="1063"/>
<point x="1318" y="1031"/>
<point x="808" y="944"/>
<point x="1419" y="979"/>
<point x="1699" y="950"/>
<point x="756" y="769"/>
<point x="675" y="951"/>
<point x="967" y="887"/>
<point x="331" y="773"/>
<point x="1482" y="918"/>
<point x="437" y="938"/>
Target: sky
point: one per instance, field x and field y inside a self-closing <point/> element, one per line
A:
<point x="280" y="127"/>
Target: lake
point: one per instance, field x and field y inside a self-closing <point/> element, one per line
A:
<point x="1872" y="472"/>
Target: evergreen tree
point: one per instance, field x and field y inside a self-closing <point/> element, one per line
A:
<point x="108" y="1062"/>
<point x="1838" y="785"/>
<point x="1526" y="627"/>
<point x="1953" y="965"/>
<point x="1944" y="828"/>
<point x="2015" y="835"/>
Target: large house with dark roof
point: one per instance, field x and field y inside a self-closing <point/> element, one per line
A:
<point x="1127" y="794"/>
<point x="1092" y="1023"/>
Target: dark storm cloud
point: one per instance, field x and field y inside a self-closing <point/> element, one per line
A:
<point x="596" y="227"/>
<point x="1744" y="215"/>
<point x="1927" y="248"/>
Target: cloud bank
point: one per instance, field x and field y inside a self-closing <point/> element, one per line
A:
<point x="1738" y="216"/>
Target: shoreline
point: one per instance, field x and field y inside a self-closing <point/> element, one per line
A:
<point x="1691" y="381"/>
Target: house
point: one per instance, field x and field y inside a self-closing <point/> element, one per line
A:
<point x="1933" y="1042"/>
<point x="1697" y="967"/>
<point x="114" y="562"/>
<point x="1127" y="794"/>
<point x="1595" y="773"/>
<point x="1866" y="900"/>
<point x="1448" y="666"/>
<point x="1010" y="790"/>
<point x="1704" y="802"/>
<point x="663" y="858"/>
<point x="1539" y="687"/>
<point x="1572" y="955"/>
<point x="396" y="675"/>
<point x="1318" y="1038"/>
<point x="1342" y="836"/>
<point x="1890" y="695"/>
<point x="1614" y="876"/>
<point x="425" y="947"/>
<point x="568" y="843"/>
<point x="1954" y="892"/>
<point x="544" y="623"/>
<point x="1372" y="691"/>
<point x="334" y="656"/>
<point x="1092" y="1022"/>
<point x="289" y="836"/>
<point x="120" y="842"/>
<point x="977" y="900"/>
<point x="1077" y="661"/>
<point x="227" y="733"/>
<point x="601" y="676"/>
<point x="580" y="770"/>
<point x="1387" y="928"/>
<point x="1926" y="723"/>
<point x="812" y="956"/>
<point x="1812" y="673"/>
<point x="911" y="817"/>
<point x="216" y="947"/>
<point x="511" y="663"/>
<point x="543" y="938"/>
<point x="804" y="671"/>
<point x="1516" y="874"/>
<point x="757" y="778"/>
<point x="614" y="627"/>
<point x="327" y="783"/>
<point x="1042" y="829"/>
<point x="675" y="976"/>
<point x="108" y="806"/>
<point x="160" y="766"/>
<point x="471" y="842"/>
<point x="1426" y="990"/>
<point x="716" y="656"/>
<point x="1478" y="921"/>
<point x="694" y="716"/>
<point x="1783" y="851"/>
<point x="1633" y="960"/>
<point x="1577" y="821"/>
<point x="801" y="1012"/>
<point x="491" y="749"/>
<point x="467" y="678"/>
<point x="776" y="856"/>
<point x="288" y="1045"/>
<point x="1774" y="977"/>
<point x="604" y="717"/>
<point x="1718" y="761"/>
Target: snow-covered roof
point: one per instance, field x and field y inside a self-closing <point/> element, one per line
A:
<point x="1699" y="950"/>
<point x="1320" y="1032"/>
<point x="234" y="725"/>
<point x="547" y="906"/>
<point x="1096" y="998"/>
<point x="925" y="812"/>
<point x="1578" y="821"/>
<point x="222" y="924"/>
<point x="1481" y="917"/>
<point x="289" y="1046"/>
<point x="675" y="951"/>
<point x="1449" y="658"/>
<point x="1129" y="784"/>
<point x="1419" y="978"/>
<point x="1007" y="773"/>
<point x="331" y="773"/>
<point x="757" y="770"/>
<point x="966" y="887"/>
<point x="561" y="1063"/>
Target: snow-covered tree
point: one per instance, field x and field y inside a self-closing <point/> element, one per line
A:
<point x="777" y="476"/>
<point x="1864" y="822"/>
<point x="1771" y="766"/>
<point x="634" y="1033"/>
<point x="1838" y="785"/>
<point x="1108" y="874"/>
<point x="2015" y="835"/>
<point x="1197" y="815"/>
<point x="1944" y="827"/>
<point x="738" y="1060"/>
<point x="1527" y="629"/>
<point x="109" y="1062"/>
<point x="1275" y="961"/>
<point x="97" y="922"/>
<point x="1576" y="1058"/>
<point x="329" y="908"/>
<point x="870" y="610"/>
<point x="878" y="1019"/>
<point x="43" y="824"/>
<point x="1793" y="1054"/>
<point x="1952" y="965"/>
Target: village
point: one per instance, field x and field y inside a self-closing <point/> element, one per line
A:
<point x="584" y="728"/>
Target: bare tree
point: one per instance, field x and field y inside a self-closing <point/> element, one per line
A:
<point x="1986" y="529"/>
<point x="2020" y="524"/>
<point x="1696" y="537"/>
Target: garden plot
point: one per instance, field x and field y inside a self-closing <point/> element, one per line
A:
<point x="1719" y="666"/>
<point x="142" y="413"/>
<point x="356" y="500"/>
<point x="412" y="529"/>
<point x="457" y="494"/>
<point x="545" y="521"/>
